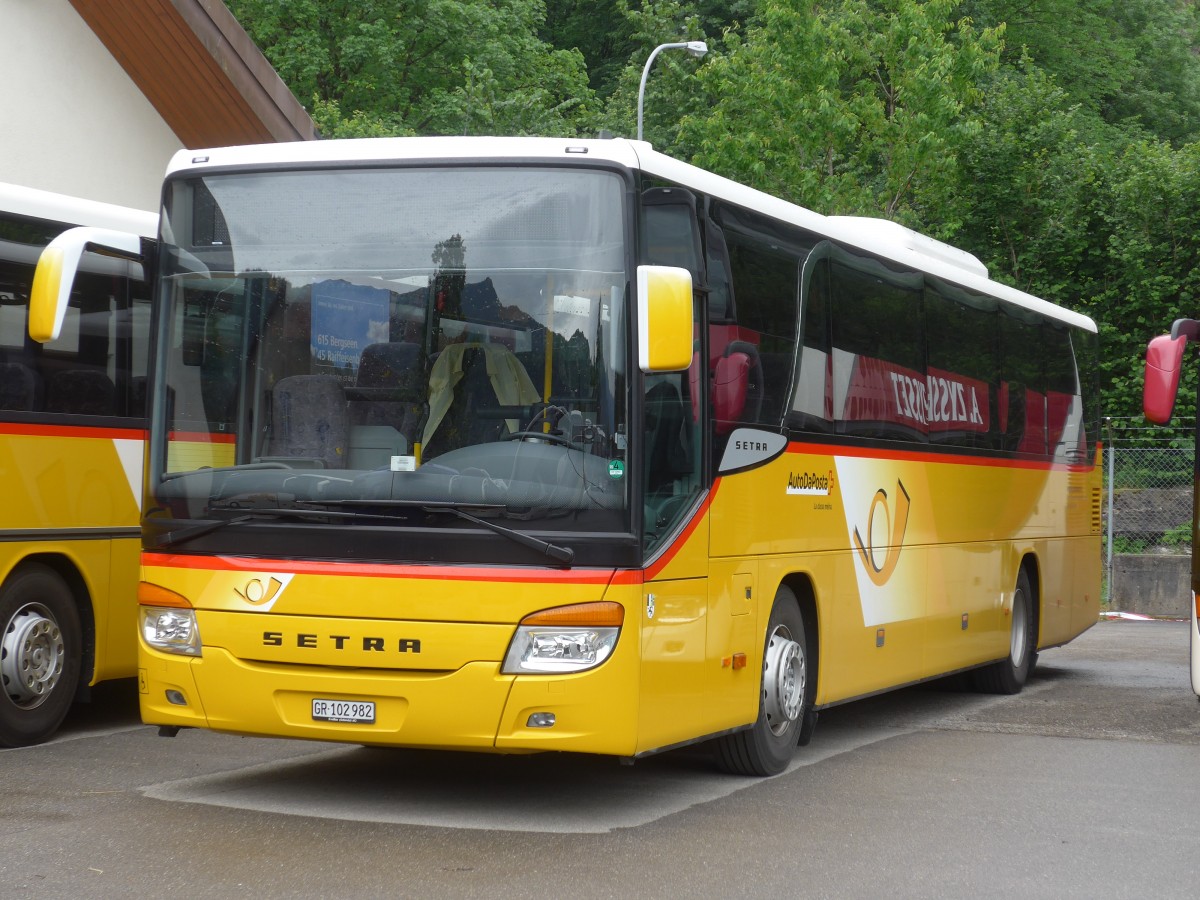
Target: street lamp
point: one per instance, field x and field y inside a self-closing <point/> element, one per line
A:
<point x="695" y="48"/>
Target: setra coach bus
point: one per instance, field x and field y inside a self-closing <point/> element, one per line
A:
<point x="528" y="444"/>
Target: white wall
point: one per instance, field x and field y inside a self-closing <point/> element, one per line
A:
<point x="71" y="120"/>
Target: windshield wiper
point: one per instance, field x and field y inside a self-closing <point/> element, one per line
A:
<point x="171" y="538"/>
<point x="564" y="555"/>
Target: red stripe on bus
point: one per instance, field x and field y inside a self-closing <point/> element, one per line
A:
<point x="73" y="431"/>
<point x="440" y="572"/>
<point x="201" y="437"/>
<point x="919" y="456"/>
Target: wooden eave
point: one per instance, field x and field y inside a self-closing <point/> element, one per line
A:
<point x="200" y="71"/>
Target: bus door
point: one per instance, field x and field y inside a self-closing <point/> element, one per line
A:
<point x="674" y="532"/>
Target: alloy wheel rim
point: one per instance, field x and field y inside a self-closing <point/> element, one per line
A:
<point x="32" y="656"/>
<point x="783" y="681"/>
<point x="1020" y="628"/>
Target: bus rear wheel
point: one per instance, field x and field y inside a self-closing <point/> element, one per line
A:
<point x="767" y="747"/>
<point x="40" y="649"/>
<point x="1009" y="675"/>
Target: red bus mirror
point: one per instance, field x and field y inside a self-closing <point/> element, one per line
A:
<point x="1164" y="359"/>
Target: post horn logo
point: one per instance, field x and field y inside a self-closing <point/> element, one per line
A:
<point x="879" y="573"/>
<point x="256" y="593"/>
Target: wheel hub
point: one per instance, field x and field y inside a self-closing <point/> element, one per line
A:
<point x="32" y="656"/>
<point x="783" y="681"/>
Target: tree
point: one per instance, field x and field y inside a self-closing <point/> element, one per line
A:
<point x="848" y="106"/>
<point x="422" y="66"/>
<point x="611" y="33"/>
<point x="1154" y="263"/>
<point x="1034" y="188"/>
<point x="672" y="91"/>
<point x="1128" y="63"/>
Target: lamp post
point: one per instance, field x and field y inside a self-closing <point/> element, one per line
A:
<point x="695" y="48"/>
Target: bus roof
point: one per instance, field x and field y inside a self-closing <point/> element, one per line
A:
<point x="38" y="204"/>
<point x="878" y="236"/>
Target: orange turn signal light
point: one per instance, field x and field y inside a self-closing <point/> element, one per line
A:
<point x="155" y="595"/>
<point x="602" y="614"/>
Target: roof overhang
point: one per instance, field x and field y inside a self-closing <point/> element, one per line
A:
<point x="199" y="69"/>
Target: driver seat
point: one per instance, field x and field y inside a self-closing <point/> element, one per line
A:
<point x="468" y="385"/>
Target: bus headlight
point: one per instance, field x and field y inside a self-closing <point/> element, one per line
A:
<point x="171" y="630"/>
<point x="167" y="620"/>
<point x="565" y="639"/>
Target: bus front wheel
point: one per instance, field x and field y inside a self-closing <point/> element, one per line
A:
<point x="1009" y="675"/>
<point x="40" y="649"/>
<point x="767" y="747"/>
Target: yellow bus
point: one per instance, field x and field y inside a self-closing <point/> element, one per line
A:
<point x="72" y="434"/>
<point x="1164" y="365"/>
<point x="517" y="445"/>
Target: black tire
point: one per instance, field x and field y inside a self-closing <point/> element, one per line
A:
<point x="40" y="652"/>
<point x="1009" y="675"/>
<point x="784" y="703"/>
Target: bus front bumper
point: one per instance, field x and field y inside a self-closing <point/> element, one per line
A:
<point x="472" y="708"/>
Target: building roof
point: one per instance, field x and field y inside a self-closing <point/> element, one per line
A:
<point x="200" y="71"/>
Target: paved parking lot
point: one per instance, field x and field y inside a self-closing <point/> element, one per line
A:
<point x="1082" y="786"/>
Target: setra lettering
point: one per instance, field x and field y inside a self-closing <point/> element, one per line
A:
<point x="341" y="642"/>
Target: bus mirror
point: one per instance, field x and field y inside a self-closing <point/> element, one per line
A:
<point x="1164" y="359"/>
<point x="665" y="325"/>
<point x="54" y="277"/>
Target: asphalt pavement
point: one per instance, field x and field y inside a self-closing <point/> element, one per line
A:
<point x="1085" y="785"/>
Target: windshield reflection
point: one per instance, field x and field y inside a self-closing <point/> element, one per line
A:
<point x="383" y="339"/>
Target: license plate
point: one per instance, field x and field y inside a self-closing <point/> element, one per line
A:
<point x="348" y="712"/>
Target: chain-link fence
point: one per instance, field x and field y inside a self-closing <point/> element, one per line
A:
<point x="1148" y="494"/>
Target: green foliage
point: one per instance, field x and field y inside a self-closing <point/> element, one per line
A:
<point x="672" y="91"/>
<point x="1178" y="536"/>
<point x="1152" y="467"/>
<point x="1025" y="196"/>
<point x="421" y="66"/>
<point x="610" y="34"/>
<point x="848" y="106"/>
<point x="1128" y="63"/>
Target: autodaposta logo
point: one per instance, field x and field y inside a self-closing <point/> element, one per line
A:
<point x="893" y="526"/>
<point x="811" y="483"/>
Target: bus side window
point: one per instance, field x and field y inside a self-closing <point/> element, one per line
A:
<point x="670" y="236"/>
<point x="1023" y="389"/>
<point x="879" y="380"/>
<point x="1064" y="407"/>
<point x="1085" y="353"/>
<point x="812" y="395"/>
<point x="89" y="369"/>
<point x="765" y="279"/>
<point x="963" y="371"/>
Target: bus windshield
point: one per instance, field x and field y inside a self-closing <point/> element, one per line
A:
<point x="374" y="346"/>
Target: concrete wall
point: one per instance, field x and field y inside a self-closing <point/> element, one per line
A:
<point x="1154" y="584"/>
<point x="74" y="122"/>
